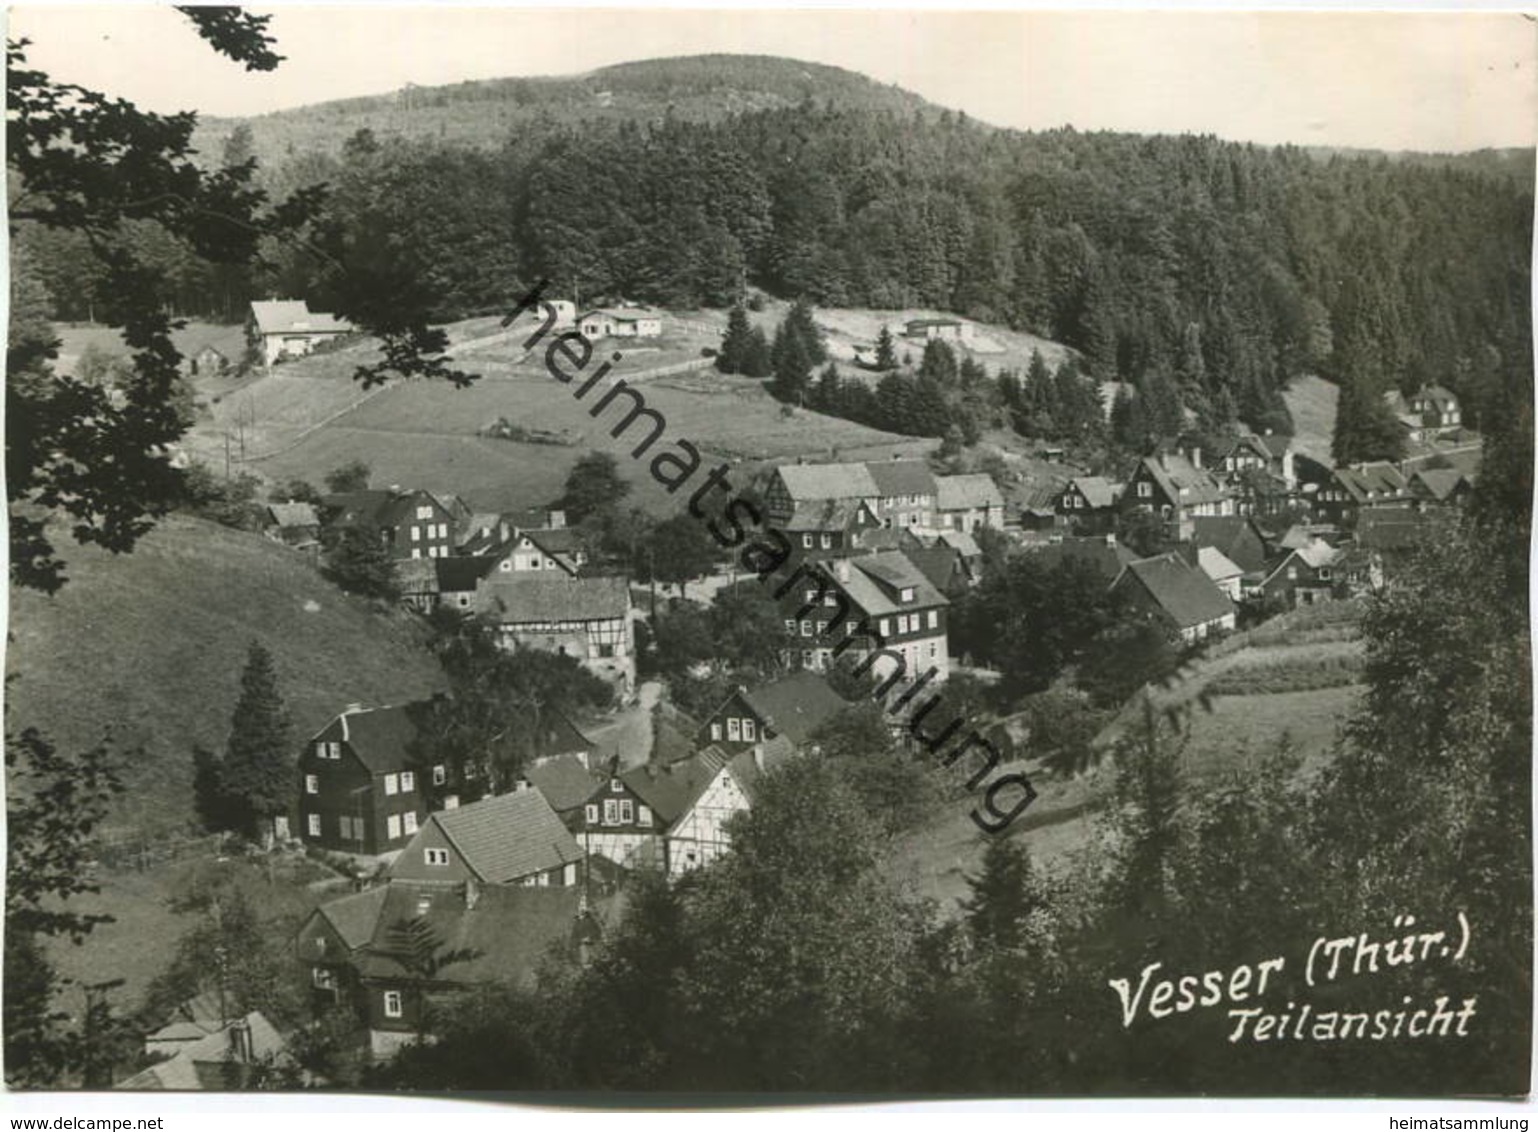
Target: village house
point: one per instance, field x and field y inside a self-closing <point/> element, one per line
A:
<point x="1440" y="487"/>
<point x="225" y="1056"/>
<point x="1175" y="487"/>
<point x="694" y="798"/>
<point x="587" y="618"/>
<point x="392" y="950"/>
<point x="506" y="839"/>
<point x="358" y="788"/>
<point x="210" y="361"/>
<point x="905" y="493"/>
<point x="287" y="328"/>
<point x="620" y="322"/>
<point x="938" y="329"/>
<point x="793" y="487"/>
<point x="611" y="821"/>
<point x="1304" y="576"/>
<point x="409" y="524"/>
<point x="1104" y="554"/>
<point x="830" y="527"/>
<point x="1180" y="595"/>
<point x="789" y="709"/>
<point x="1237" y="538"/>
<point x="433" y="583"/>
<point x="882" y="604"/>
<point x="1088" y="504"/>
<point x="968" y="503"/>
<point x="294" y="525"/>
<point x="1428" y="413"/>
<point x="1360" y="487"/>
<point x="1226" y="574"/>
<point x="532" y="551"/>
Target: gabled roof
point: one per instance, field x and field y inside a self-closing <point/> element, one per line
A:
<point x="1276" y="444"/>
<point x="1182" y="481"/>
<point x="354" y="916"/>
<point x="210" y="1063"/>
<point x="827" y="481"/>
<point x="924" y="322"/>
<point x="1371" y="481"/>
<point x="901" y="477"/>
<point x="294" y="316"/>
<point x="1186" y="595"/>
<point x="795" y="706"/>
<point x="1438" y="483"/>
<point x="959" y="493"/>
<point x="558" y="735"/>
<point x="522" y="598"/>
<point x="962" y="542"/>
<point x="671" y="789"/>
<point x="875" y="580"/>
<point x="293" y="514"/>
<point x="621" y="314"/>
<point x="565" y="781"/>
<point x="1247" y="441"/>
<point x="673" y="732"/>
<point x="378" y="736"/>
<point x="1438" y="395"/>
<point x="510" y="836"/>
<point x="1106" y="556"/>
<point x="503" y="938"/>
<point x="1318" y="553"/>
<point x="1226" y="533"/>
<point x="827" y="515"/>
<point x="942" y="565"/>
<point x="1217" y="565"/>
<point x="1096" y="490"/>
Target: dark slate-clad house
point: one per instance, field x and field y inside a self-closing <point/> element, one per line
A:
<point x="508" y="839"/>
<point x="358" y="788"/>
<point x="1182" y="596"/>
<point x="793" y="707"/>
<point x="409" y="524"/>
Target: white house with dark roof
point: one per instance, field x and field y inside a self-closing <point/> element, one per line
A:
<point x="1181" y="595"/>
<point x="968" y="502"/>
<point x="584" y="617"/>
<point x="620" y="322"/>
<point x="287" y="328"/>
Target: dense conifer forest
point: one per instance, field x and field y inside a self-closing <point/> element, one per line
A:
<point x="1222" y="269"/>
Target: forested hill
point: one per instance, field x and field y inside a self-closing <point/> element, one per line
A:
<point x="1207" y="273"/>
<point x="483" y="113"/>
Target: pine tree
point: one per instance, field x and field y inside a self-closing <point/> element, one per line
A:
<point x="824" y="396"/>
<point x="258" y="773"/>
<point x="800" y="324"/>
<point x="886" y="351"/>
<point x="792" y="365"/>
<point x="736" y="342"/>
<point x="939" y="363"/>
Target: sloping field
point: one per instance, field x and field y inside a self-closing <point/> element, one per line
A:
<point x="1311" y="401"/>
<point x="153" y="643"/>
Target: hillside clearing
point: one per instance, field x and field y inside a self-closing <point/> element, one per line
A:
<point x="152" y="643"/>
<point x="1312" y="401"/>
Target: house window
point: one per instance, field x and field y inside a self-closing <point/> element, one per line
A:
<point x="806" y="541"/>
<point x="392" y="784"/>
<point x="1145" y="490"/>
<point x="734" y="729"/>
<point x="311" y="784"/>
<point x="715" y="732"/>
<point x="616" y="786"/>
<point x="1292" y="573"/>
<point x="451" y="802"/>
<point x="806" y="628"/>
<point x="1324" y="573"/>
<point x="416" y="534"/>
<point x="425" y="512"/>
<point x="440" y="775"/>
<point x="790" y="626"/>
<point x="643" y="815"/>
<point x="747" y="730"/>
<point x="336" y="750"/>
<point x="906" y="594"/>
<point x="410" y="819"/>
<point x="808" y="657"/>
<point x="408" y="781"/>
<point x="829" y="599"/>
<point x="886" y="626"/>
<point x="436" y="857"/>
<point x="393" y="827"/>
<point x="934" y="618"/>
<point x="826" y="540"/>
<point x="591" y="812"/>
<point x="610" y="811"/>
<point x="313" y="825"/>
<point x="626" y="811"/>
<point x="934" y="650"/>
<point x="392" y="1004"/>
<point x="347" y="830"/>
<point x="322" y="978"/>
<point x="416" y="552"/>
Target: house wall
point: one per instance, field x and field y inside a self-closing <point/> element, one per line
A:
<point x="426" y="531"/>
<point x="412" y="863"/>
<point x="734" y="717"/>
<point x="698" y="837"/>
<point x="346" y="789"/>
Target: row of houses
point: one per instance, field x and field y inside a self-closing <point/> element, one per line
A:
<point x="482" y="891"/>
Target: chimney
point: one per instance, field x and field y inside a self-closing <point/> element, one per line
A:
<point x="841" y="569"/>
<point x="557" y="520"/>
<point x="1195" y="455"/>
<point x="1164" y="460"/>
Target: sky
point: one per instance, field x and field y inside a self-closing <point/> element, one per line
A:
<point x="1402" y="80"/>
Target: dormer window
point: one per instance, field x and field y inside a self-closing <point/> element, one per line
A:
<point x="906" y="594"/>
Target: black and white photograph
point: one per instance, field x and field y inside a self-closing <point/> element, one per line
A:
<point x="639" y="557"/>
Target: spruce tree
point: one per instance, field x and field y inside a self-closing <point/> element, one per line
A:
<point x="792" y="366"/>
<point x="736" y="342"/>
<point x="939" y="364"/>
<point x="800" y="324"/>
<point x="1003" y="895"/>
<point x="886" y="351"/>
<point x="756" y="360"/>
<point x="258" y="768"/>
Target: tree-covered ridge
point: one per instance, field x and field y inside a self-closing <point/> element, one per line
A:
<point x="1221" y="269"/>
<point x="482" y="112"/>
